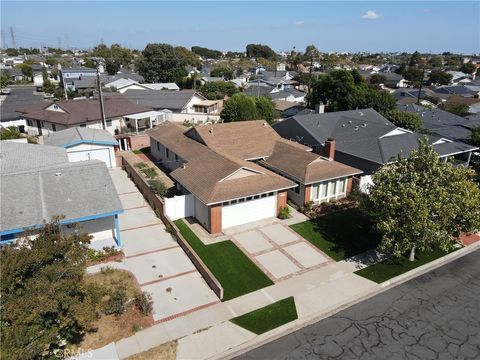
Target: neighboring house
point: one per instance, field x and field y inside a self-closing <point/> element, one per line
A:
<point x="224" y="169"/>
<point x="19" y="97"/>
<point x="365" y="139"/>
<point x="121" y="85"/>
<point x="394" y="80"/>
<point x="15" y="74"/>
<point x="206" y="79"/>
<point x="185" y="105"/>
<point x="39" y="183"/>
<point x="45" y="118"/>
<point x="459" y="77"/>
<point x="84" y="143"/>
<point x="473" y="103"/>
<point x="410" y="96"/>
<point x="461" y="90"/>
<point x="442" y="123"/>
<point x="123" y="73"/>
<point x="287" y="108"/>
<point x="287" y="94"/>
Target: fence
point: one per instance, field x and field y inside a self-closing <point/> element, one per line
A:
<point x="158" y="205"/>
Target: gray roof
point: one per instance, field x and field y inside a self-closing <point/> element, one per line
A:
<point x="442" y="123"/>
<point x="456" y="90"/>
<point x="254" y="89"/>
<point x="123" y="74"/>
<point x="79" y="135"/>
<point x="83" y="83"/>
<point x="19" y="97"/>
<point x="286" y="93"/>
<point x="17" y="157"/>
<point x="160" y="99"/>
<point x="365" y="134"/>
<point x="73" y="190"/>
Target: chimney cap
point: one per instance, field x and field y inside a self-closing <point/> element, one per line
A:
<point x="330" y="139"/>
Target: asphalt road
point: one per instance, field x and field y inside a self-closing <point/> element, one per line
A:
<point x="434" y="316"/>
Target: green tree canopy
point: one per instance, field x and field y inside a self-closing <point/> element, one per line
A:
<point x="377" y="79"/>
<point x="345" y="90"/>
<point x="259" y="50"/>
<point x="474" y="137"/>
<point x="468" y="68"/>
<point x="439" y="77"/>
<point x="239" y="107"/>
<point x="422" y="203"/>
<point x="10" y="132"/>
<point x="218" y="89"/>
<point x="115" y="57"/>
<point x="207" y="53"/>
<point x="409" y="121"/>
<point x="27" y="70"/>
<point x="266" y="109"/>
<point x="162" y="63"/>
<point x="222" y="71"/>
<point x="455" y="108"/>
<point x="44" y="301"/>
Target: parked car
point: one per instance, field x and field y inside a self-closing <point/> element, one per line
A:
<point x="6" y="91"/>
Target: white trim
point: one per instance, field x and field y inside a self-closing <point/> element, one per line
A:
<point x="240" y="169"/>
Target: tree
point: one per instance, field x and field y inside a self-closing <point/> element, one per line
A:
<point x="439" y="77"/>
<point x="222" y="71"/>
<point x="239" y="107"/>
<point x="415" y="59"/>
<point x="190" y="57"/>
<point x="404" y="120"/>
<point x="51" y="61"/>
<point x="266" y="109"/>
<point x="27" y="70"/>
<point x="422" y="203"/>
<point x="207" y="53"/>
<point x="468" y="68"/>
<point x="259" y="50"/>
<point x="115" y="57"/>
<point x="474" y="138"/>
<point x="44" y="299"/>
<point x="5" y="78"/>
<point x="377" y="79"/>
<point x="48" y="87"/>
<point x="162" y="63"/>
<point x="218" y="90"/>
<point x="10" y="132"/>
<point x="456" y="108"/>
<point x="414" y="75"/>
<point x="12" y="52"/>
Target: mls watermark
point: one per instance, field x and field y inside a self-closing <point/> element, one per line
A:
<point x="74" y="353"/>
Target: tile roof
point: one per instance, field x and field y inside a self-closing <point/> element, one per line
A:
<point x="242" y="139"/>
<point x="305" y="166"/>
<point x="81" y="111"/>
<point x="79" y="135"/>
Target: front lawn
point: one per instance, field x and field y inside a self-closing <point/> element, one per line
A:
<point x="340" y="235"/>
<point x="237" y="274"/>
<point x="268" y="317"/>
<point x="390" y="268"/>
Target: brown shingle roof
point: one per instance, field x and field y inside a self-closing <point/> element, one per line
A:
<point x="242" y="139"/>
<point x="304" y="166"/>
<point x="206" y="173"/>
<point x="81" y="111"/>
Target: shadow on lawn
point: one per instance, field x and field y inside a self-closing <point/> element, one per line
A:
<point x="351" y="232"/>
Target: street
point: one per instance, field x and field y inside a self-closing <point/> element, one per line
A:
<point x="434" y="316"/>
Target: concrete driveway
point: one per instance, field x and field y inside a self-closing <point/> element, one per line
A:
<point x="159" y="264"/>
<point x="278" y="251"/>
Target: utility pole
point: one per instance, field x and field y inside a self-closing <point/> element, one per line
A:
<point x="310" y="81"/>
<point x="421" y="83"/>
<point x="100" y="96"/>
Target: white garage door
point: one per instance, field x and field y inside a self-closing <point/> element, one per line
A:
<point x="248" y="211"/>
<point x="102" y="154"/>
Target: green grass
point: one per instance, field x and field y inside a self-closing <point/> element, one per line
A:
<point x="237" y="274"/>
<point x="268" y="317"/>
<point x="340" y="235"/>
<point x="144" y="150"/>
<point x="390" y="268"/>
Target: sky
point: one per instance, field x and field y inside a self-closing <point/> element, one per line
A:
<point x="351" y="26"/>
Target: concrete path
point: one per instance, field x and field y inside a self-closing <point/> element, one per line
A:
<point x="155" y="259"/>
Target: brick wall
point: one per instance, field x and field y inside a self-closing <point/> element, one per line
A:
<point x="281" y="199"/>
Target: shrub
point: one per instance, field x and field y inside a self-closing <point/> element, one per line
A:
<point x="116" y="302"/>
<point x="284" y="212"/>
<point x="141" y="165"/>
<point x="158" y="187"/>
<point x="308" y="206"/>
<point x="143" y="301"/>
<point x="149" y="172"/>
<point x="100" y="255"/>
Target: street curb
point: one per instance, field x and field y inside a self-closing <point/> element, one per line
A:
<point x="378" y="289"/>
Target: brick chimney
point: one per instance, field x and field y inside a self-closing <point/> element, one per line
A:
<point x="329" y="148"/>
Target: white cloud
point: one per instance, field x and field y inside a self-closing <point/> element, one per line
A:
<point x="299" y="23"/>
<point x="371" y="15"/>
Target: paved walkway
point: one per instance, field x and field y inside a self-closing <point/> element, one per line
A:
<point x="155" y="259"/>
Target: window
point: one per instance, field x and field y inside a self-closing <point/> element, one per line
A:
<point x="29" y="123"/>
<point x="167" y="153"/>
<point x="109" y="122"/>
<point x="176" y="157"/>
<point x="297" y="189"/>
<point x="158" y="145"/>
<point x="256" y="197"/>
<point x="241" y="200"/>
<point x="249" y="198"/>
<point x="54" y="128"/>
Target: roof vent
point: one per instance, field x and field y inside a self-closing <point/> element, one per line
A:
<point x="184" y="166"/>
<point x="361" y="113"/>
<point x="211" y="131"/>
<point x="350" y="121"/>
<point x="264" y="124"/>
<point x="364" y="125"/>
<point x="343" y="125"/>
<point x="58" y="174"/>
<point x="356" y="128"/>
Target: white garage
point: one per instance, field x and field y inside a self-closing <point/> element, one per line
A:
<point x="242" y="211"/>
<point x="84" y="143"/>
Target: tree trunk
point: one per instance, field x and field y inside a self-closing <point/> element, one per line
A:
<point x="412" y="253"/>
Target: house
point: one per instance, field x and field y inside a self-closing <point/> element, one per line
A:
<point x="442" y="123"/>
<point x="287" y="108"/>
<point x="224" y="169"/>
<point x="206" y="79"/>
<point x="15" y="74"/>
<point x="274" y="93"/>
<point x="84" y="143"/>
<point x="121" y="85"/>
<point x="45" y="118"/>
<point x="123" y="73"/>
<point x="39" y="183"/>
<point x="365" y="139"/>
<point x="185" y="105"/>
<point x="461" y="90"/>
<point x="394" y="80"/>
<point x="459" y="77"/>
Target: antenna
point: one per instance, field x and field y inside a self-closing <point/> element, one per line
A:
<point x="12" y="36"/>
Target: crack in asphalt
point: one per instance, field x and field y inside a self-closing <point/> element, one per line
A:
<point x="434" y="316"/>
